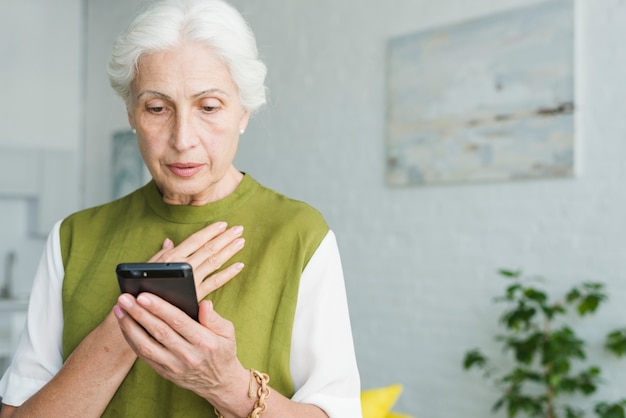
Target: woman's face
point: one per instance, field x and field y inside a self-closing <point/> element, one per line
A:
<point x="188" y="116"/>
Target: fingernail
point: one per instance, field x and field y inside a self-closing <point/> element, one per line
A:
<point x="238" y="229"/>
<point x="168" y="243"/>
<point x="125" y="301"/>
<point x="239" y="266"/>
<point x="239" y="243"/>
<point x="118" y="312"/>
<point x="144" y="299"/>
<point x="222" y="226"/>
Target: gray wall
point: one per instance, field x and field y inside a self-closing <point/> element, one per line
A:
<point x="40" y="73"/>
<point x="40" y="124"/>
<point x="419" y="262"/>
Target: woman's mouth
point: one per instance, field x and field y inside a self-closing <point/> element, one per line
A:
<point x="184" y="169"/>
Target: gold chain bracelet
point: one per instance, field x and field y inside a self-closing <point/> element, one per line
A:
<point x="263" y="393"/>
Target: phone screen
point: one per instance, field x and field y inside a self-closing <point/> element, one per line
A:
<point x="172" y="282"/>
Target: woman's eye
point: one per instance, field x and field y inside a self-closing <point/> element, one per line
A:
<point x="210" y="105"/>
<point x="156" y="109"/>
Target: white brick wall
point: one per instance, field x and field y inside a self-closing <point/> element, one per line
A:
<point x="420" y="263"/>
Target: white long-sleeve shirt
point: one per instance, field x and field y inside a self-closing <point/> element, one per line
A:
<point x="323" y="364"/>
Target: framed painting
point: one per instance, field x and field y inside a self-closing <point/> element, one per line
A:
<point x="128" y="168"/>
<point x="489" y="99"/>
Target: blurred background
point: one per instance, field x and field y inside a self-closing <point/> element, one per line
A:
<point x="420" y="262"/>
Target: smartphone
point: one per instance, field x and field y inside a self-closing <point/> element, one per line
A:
<point x="172" y="282"/>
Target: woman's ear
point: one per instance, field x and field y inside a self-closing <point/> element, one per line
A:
<point x="131" y="119"/>
<point x="243" y="122"/>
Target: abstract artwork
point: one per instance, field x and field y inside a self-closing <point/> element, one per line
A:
<point x="490" y="99"/>
<point x="127" y="165"/>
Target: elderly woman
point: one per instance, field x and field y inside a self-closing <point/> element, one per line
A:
<point x="190" y="76"/>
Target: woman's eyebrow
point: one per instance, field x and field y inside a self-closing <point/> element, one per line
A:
<point x="199" y="94"/>
<point x="153" y="92"/>
<point x="210" y="91"/>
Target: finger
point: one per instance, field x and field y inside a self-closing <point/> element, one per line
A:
<point x="158" y="356"/>
<point x="196" y="241"/>
<point x="135" y="334"/>
<point x="167" y="324"/>
<point x="214" y="322"/>
<point x="212" y="251"/>
<point x="165" y="247"/>
<point x="150" y="336"/>
<point x="218" y="279"/>
<point x="208" y="264"/>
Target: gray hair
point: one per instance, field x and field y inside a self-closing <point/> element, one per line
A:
<point x="167" y="24"/>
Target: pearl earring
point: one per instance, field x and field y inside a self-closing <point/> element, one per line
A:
<point x="134" y="131"/>
<point x="242" y="131"/>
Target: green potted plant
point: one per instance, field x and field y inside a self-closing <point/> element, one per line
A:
<point x="548" y="358"/>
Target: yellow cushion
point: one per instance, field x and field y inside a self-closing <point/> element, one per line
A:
<point x="397" y="415"/>
<point x="377" y="403"/>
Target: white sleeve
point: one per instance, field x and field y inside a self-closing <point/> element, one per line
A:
<point x="323" y="362"/>
<point x="38" y="354"/>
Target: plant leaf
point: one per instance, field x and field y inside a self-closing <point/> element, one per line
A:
<point x="519" y="318"/>
<point x="536" y="295"/>
<point x="525" y="348"/>
<point x="474" y="358"/>
<point x="512" y="274"/>
<point x="606" y="410"/>
<point x="571" y="412"/>
<point x="616" y="342"/>
<point x="573" y="295"/>
<point x="591" y="299"/>
<point x="511" y="291"/>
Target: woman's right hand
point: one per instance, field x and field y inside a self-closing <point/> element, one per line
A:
<point x="206" y="251"/>
<point x="197" y="355"/>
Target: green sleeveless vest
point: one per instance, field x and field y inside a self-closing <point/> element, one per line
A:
<point x="281" y="236"/>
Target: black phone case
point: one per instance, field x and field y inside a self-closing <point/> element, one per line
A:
<point x="172" y="282"/>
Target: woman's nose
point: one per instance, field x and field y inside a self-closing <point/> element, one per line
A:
<point x="183" y="134"/>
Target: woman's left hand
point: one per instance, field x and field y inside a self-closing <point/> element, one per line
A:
<point x="201" y="357"/>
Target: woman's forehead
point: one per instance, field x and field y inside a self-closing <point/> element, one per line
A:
<point x="192" y="66"/>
